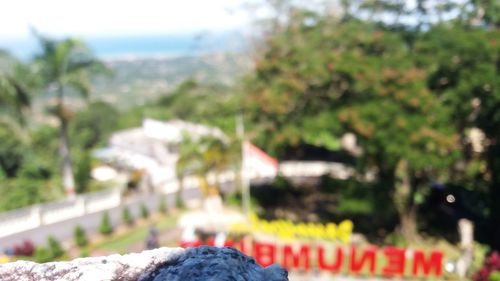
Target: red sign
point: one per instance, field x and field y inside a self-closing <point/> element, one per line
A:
<point x="334" y="259"/>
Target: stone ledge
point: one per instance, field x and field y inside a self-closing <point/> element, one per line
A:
<point x="172" y="264"/>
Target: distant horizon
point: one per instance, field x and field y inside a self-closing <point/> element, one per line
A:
<point x="124" y="47"/>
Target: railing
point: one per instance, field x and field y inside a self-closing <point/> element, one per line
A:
<point x="20" y="220"/>
<point x="38" y="215"/>
<point x="315" y="169"/>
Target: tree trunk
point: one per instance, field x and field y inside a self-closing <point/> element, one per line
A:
<point x="408" y="227"/>
<point x="493" y="154"/>
<point x="68" y="179"/>
<point x="179" y="201"/>
<point x="403" y="201"/>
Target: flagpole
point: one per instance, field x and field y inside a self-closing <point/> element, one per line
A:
<point x="245" y="185"/>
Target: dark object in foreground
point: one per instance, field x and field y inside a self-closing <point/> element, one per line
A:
<point x="194" y="264"/>
<point x="211" y="263"/>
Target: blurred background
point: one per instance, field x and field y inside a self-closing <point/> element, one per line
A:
<point x="128" y="125"/>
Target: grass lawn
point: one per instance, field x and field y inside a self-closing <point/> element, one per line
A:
<point x="120" y="243"/>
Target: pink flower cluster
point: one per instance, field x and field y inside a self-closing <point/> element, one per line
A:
<point x="491" y="264"/>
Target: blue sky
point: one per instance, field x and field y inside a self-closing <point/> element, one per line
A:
<point x="104" y="18"/>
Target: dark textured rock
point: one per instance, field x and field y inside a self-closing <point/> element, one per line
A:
<point x="210" y="263"/>
<point x="204" y="263"/>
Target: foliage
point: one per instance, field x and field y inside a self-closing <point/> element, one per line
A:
<point x="490" y="268"/>
<point x="84" y="252"/>
<point x="54" y="247"/>
<point x="105" y="227"/>
<point x="64" y="67"/>
<point x="363" y="80"/>
<point x="121" y="243"/>
<point x="135" y="178"/>
<point x="208" y="103"/>
<point x="127" y="216"/>
<point x="495" y="276"/>
<point x="16" y="82"/>
<point x="23" y="192"/>
<point x="80" y="237"/>
<point x="26" y="248"/>
<point x="144" y="211"/>
<point x="92" y="126"/>
<point x="43" y="254"/>
<point x="162" y="206"/>
<point x="12" y="150"/>
<point x="83" y="169"/>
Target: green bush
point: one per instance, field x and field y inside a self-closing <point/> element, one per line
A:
<point x="234" y="199"/>
<point x="127" y="216"/>
<point x="179" y="203"/>
<point x="42" y="254"/>
<point x="105" y="227"/>
<point x="84" y="252"/>
<point x="495" y="276"/>
<point x="162" y="207"/>
<point x="80" y="236"/>
<point x="144" y="211"/>
<point x="55" y="248"/>
<point x="82" y="174"/>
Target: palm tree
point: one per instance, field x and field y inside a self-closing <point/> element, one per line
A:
<point x="15" y="82"/>
<point x="219" y="155"/>
<point x="66" y="65"/>
<point x="188" y="161"/>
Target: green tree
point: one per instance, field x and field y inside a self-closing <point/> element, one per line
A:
<point x="93" y="125"/>
<point x="12" y="150"/>
<point x="83" y="169"/>
<point x="188" y="160"/>
<point x="55" y="247"/>
<point x="16" y="81"/>
<point x="42" y="255"/>
<point x="219" y="155"/>
<point x="462" y="62"/>
<point x="66" y="67"/>
<point x="162" y="206"/>
<point x="80" y="237"/>
<point x="144" y="211"/>
<point x="360" y="78"/>
<point x="127" y="216"/>
<point x="105" y="227"/>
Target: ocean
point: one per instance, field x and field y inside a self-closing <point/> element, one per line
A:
<point x="137" y="46"/>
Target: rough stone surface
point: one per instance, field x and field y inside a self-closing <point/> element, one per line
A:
<point x="210" y="263"/>
<point x="204" y="263"/>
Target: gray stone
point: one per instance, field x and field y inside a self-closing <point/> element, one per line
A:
<point x="204" y="263"/>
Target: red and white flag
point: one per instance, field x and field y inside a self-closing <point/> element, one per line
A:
<point x="258" y="163"/>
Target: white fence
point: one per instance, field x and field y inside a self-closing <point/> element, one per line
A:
<point x="20" y="220"/>
<point x="38" y="215"/>
<point x="315" y="169"/>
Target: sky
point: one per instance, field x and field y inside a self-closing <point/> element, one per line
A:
<point x="103" y="18"/>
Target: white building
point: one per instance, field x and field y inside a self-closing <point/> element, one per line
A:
<point x="153" y="148"/>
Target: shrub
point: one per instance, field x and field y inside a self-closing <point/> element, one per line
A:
<point x="134" y="179"/>
<point x="82" y="174"/>
<point x="127" y="216"/>
<point x="80" y="236"/>
<point x="162" y="207"/>
<point x="42" y="254"/>
<point x="179" y="202"/>
<point x="84" y="253"/>
<point x="24" y="249"/>
<point x="144" y="211"/>
<point x="495" y="276"/>
<point x="105" y="226"/>
<point x="490" y="269"/>
<point x="55" y="248"/>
